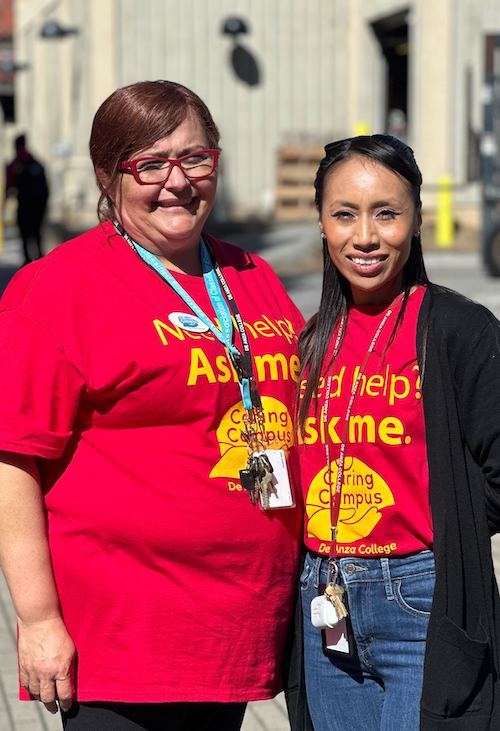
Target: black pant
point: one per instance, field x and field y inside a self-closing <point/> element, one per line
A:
<point x="32" y="246"/>
<point x="154" y="716"/>
<point x="29" y="222"/>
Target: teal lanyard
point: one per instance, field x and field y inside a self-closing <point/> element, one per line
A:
<point x="226" y="331"/>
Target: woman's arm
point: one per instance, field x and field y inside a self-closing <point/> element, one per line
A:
<point x="477" y="375"/>
<point x="46" y="651"/>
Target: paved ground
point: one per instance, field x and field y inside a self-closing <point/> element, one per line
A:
<point x="294" y="250"/>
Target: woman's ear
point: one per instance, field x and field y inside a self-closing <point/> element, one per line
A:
<point x="104" y="183"/>
<point x="418" y="224"/>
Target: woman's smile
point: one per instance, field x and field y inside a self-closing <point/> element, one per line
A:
<point x="368" y="266"/>
<point x="174" y="205"/>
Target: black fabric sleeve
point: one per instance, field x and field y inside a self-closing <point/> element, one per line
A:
<point x="477" y="376"/>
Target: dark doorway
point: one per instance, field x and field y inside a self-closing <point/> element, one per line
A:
<point x="392" y="34"/>
<point x="7" y="103"/>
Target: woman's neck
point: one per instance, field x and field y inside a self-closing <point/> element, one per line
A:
<point x="182" y="257"/>
<point x="187" y="262"/>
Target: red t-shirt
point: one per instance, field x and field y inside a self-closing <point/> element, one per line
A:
<point x="172" y="585"/>
<point x="384" y="505"/>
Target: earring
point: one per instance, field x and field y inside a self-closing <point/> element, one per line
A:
<point x="417" y="234"/>
<point x="323" y="236"/>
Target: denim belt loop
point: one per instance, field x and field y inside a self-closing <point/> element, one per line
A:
<point x="386" y="573"/>
<point x="316" y="569"/>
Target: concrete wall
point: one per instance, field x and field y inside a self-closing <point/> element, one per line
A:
<point x="321" y="72"/>
<point x="122" y="41"/>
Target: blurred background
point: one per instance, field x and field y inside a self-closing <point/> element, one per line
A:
<point x="282" y="78"/>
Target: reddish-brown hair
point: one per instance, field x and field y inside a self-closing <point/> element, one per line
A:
<point x="135" y="117"/>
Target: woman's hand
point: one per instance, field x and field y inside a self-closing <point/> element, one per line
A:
<point x="46" y="662"/>
<point x="46" y="651"/>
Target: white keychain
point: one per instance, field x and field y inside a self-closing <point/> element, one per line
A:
<point x="323" y="613"/>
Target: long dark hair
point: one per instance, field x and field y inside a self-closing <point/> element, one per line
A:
<point x="314" y="339"/>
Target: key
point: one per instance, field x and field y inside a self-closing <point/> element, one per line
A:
<point x="256" y="466"/>
<point x="262" y="470"/>
<point x="266" y="487"/>
<point x="248" y="482"/>
<point x="266" y="464"/>
<point x="335" y="593"/>
<point x="250" y="477"/>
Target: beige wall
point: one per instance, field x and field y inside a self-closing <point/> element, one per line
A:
<point x="446" y="41"/>
<point x="122" y="41"/>
<point x="432" y="96"/>
<point x="322" y="72"/>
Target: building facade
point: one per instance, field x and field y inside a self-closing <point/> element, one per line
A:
<point x="304" y="72"/>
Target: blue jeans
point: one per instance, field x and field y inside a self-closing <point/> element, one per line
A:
<point x="378" y="688"/>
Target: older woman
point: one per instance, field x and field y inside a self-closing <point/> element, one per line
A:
<point x="148" y="532"/>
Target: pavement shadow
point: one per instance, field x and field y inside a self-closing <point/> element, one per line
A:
<point x="252" y="234"/>
<point x="7" y="271"/>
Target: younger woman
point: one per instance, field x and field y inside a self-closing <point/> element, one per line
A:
<point x="400" y="461"/>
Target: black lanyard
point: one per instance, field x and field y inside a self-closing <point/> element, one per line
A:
<point x="242" y="362"/>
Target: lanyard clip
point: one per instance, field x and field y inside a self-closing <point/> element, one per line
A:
<point x="237" y="361"/>
<point x="333" y="571"/>
<point x="253" y="420"/>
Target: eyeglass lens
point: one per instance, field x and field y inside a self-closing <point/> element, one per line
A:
<point x="194" y="166"/>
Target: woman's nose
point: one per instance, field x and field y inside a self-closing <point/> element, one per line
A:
<point x="365" y="233"/>
<point x="176" y="179"/>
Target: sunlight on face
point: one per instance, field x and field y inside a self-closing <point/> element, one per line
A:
<point x="168" y="217"/>
<point x="368" y="216"/>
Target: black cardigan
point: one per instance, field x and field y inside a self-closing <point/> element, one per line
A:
<point x="458" y="346"/>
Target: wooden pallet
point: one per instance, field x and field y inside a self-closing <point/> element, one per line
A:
<point x="296" y="170"/>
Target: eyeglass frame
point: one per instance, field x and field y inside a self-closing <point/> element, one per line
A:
<point x="131" y="166"/>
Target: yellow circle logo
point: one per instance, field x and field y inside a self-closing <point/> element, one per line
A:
<point x="278" y="426"/>
<point x="364" y="495"/>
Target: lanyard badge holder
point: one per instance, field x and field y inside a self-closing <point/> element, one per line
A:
<point x="328" y="611"/>
<point x="265" y="476"/>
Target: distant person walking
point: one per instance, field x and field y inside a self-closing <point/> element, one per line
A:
<point x="26" y="179"/>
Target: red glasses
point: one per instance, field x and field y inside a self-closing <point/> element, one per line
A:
<point x="197" y="165"/>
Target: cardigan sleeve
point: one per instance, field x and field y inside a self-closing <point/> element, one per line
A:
<point x="478" y="391"/>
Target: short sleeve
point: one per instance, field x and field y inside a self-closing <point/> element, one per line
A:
<point x="40" y="389"/>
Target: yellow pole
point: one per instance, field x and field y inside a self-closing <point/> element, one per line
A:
<point x="2" y="210"/>
<point x="444" y="217"/>
<point x="361" y="128"/>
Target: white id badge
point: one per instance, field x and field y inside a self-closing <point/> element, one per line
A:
<point x="279" y="491"/>
<point x="337" y="638"/>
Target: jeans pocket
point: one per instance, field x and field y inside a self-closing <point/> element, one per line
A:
<point x="459" y="671"/>
<point x="413" y="594"/>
